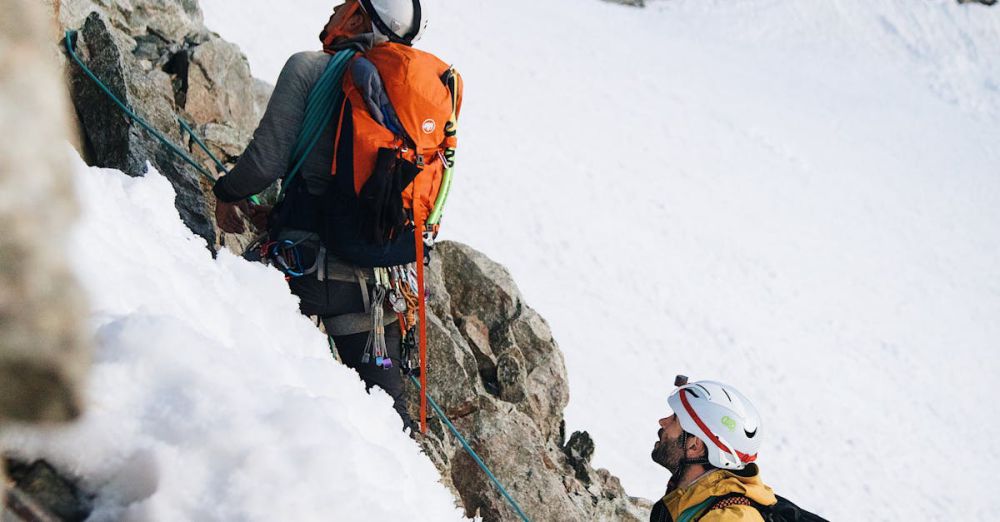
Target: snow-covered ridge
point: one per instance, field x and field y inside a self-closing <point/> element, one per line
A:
<point x="211" y="397"/>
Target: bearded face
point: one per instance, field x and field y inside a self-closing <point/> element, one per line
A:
<point x="668" y="452"/>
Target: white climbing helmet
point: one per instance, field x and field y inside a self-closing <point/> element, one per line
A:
<point x="399" y="21"/>
<point x="722" y="417"/>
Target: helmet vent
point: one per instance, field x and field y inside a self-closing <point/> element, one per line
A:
<point x="727" y="395"/>
<point x="689" y="390"/>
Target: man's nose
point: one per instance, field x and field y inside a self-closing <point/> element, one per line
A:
<point x="664" y="421"/>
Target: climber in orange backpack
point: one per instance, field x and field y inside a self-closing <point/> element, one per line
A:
<point x="363" y="136"/>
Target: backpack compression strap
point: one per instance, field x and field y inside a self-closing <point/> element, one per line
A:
<point x="382" y="26"/>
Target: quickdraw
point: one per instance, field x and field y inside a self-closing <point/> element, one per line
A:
<point x="396" y="288"/>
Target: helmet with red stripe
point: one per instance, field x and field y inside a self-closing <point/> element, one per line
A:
<point x="723" y="418"/>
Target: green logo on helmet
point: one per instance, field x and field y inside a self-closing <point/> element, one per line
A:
<point x="729" y="423"/>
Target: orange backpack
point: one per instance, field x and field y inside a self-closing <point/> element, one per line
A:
<point x="402" y="181"/>
<point x="426" y="95"/>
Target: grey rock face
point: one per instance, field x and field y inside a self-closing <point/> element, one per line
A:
<point x="160" y="60"/>
<point x="499" y="375"/>
<point x="44" y="351"/>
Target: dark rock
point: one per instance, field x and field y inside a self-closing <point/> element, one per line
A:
<point x="579" y="450"/>
<point x="45" y="486"/>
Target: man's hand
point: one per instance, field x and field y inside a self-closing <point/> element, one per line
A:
<point x="229" y="216"/>
<point x="259" y="215"/>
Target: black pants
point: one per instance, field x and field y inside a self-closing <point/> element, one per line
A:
<point x="328" y="299"/>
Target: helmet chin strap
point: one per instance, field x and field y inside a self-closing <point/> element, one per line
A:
<point x="685" y="462"/>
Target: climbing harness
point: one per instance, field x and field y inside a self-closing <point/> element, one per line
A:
<point x="70" y="48"/>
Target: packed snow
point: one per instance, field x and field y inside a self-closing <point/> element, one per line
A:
<point x="799" y="198"/>
<point x="211" y="397"/>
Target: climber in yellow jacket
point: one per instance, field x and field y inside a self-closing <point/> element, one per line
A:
<point x="709" y="445"/>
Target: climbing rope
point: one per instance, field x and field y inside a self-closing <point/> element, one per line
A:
<point x="472" y="453"/>
<point x="324" y="99"/>
<point x="70" y="48"/>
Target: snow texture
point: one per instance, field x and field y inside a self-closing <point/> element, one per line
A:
<point x="799" y="198"/>
<point x="211" y="397"/>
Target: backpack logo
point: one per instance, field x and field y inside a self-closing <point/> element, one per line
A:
<point x="429" y="126"/>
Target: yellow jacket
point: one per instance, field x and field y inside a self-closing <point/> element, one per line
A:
<point x="686" y="504"/>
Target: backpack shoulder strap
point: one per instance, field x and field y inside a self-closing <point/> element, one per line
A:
<point x="733" y="499"/>
<point x="722" y="502"/>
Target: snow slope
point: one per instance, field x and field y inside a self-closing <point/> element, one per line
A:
<point x="211" y="397"/>
<point x="799" y="198"/>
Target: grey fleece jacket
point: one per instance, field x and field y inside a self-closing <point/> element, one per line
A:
<point x="268" y="156"/>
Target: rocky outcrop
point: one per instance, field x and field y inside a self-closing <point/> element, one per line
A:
<point x="499" y="375"/>
<point x="161" y="61"/>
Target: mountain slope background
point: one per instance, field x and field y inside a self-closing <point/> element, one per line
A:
<point x="800" y="199"/>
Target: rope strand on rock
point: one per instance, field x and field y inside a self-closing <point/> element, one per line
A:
<point x="472" y="453"/>
<point x="70" y="44"/>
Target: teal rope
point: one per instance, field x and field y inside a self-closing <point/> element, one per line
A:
<point x="201" y="144"/>
<point x="693" y="512"/>
<point x="136" y="118"/>
<point x="472" y="453"/>
<point x="323" y="100"/>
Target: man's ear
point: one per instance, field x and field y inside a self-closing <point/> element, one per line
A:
<point x="695" y="448"/>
